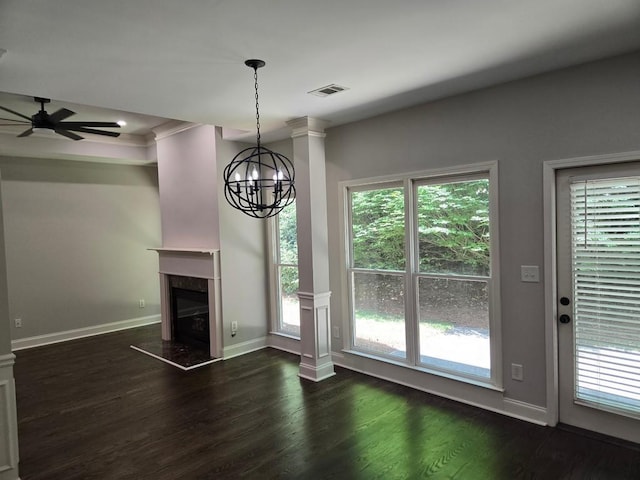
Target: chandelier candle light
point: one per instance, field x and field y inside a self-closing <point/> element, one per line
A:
<point x="259" y="182"/>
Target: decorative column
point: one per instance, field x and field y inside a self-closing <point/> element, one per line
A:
<point x="8" y="415"/>
<point x="313" y="254"/>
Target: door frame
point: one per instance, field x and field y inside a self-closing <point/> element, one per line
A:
<point x="549" y="168"/>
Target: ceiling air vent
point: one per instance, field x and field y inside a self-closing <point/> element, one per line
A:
<point x="327" y="90"/>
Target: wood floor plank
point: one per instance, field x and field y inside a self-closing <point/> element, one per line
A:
<point x="95" y="409"/>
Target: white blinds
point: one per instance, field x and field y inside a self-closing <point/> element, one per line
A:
<point x="605" y="235"/>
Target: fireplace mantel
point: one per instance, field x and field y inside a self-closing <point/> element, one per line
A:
<point x="189" y="262"/>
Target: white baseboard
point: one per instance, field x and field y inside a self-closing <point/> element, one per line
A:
<point x="244" y="347"/>
<point x="469" y="394"/>
<point x="47" y="339"/>
<point x="525" y="411"/>
<point x="284" y="343"/>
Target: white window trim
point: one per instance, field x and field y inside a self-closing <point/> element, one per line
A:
<point x="489" y="169"/>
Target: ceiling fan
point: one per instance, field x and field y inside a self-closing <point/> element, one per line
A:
<point x="43" y="120"/>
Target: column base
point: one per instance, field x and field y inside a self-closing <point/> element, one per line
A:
<point x="315" y="341"/>
<point x="316" y="373"/>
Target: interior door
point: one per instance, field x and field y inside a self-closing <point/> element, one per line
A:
<point x="598" y="255"/>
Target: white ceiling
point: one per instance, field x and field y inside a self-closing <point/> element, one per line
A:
<point x="185" y="60"/>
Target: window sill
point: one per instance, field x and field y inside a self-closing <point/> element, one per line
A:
<point x="451" y="376"/>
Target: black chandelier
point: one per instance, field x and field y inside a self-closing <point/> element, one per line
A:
<point x="259" y="182"/>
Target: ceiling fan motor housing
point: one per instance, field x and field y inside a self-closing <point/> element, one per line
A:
<point x="41" y="120"/>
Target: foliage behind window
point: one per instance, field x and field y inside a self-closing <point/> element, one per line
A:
<point x="288" y="249"/>
<point x="453" y="228"/>
<point x="377" y="218"/>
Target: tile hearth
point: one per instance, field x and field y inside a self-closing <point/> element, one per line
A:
<point x="180" y="355"/>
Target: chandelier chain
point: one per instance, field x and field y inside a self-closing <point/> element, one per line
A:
<point x="255" y="78"/>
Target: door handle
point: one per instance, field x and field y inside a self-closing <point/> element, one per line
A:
<point x="564" y="318"/>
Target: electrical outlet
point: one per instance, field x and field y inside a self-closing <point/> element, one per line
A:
<point x="18" y="322"/>
<point x="517" y="372"/>
<point x="234" y="327"/>
<point x="141" y="303"/>
<point x="529" y="273"/>
<point x="336" y="331"/>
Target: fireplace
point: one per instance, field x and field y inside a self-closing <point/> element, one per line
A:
<point x="190" y="297"/>
<point x="190" y="316"/>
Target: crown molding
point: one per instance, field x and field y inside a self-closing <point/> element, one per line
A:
<point x="172" y="128"/>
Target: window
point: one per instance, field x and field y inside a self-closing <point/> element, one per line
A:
<point x="377" y="274"/>
<point x="453" y="267"/>
<point x="420" y="273"/>
<point x="285" y="272"/>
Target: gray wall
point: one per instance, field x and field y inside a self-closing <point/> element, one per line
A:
<point x="586" y="110"/>
<point x="243" y="257"/>
<point x="76" y="240"/>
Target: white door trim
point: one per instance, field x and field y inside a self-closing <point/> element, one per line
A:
<point x="549" y="168"/>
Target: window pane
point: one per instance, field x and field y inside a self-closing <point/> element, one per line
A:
<point x="379" y="313"/>
<point x="377" y="218"/>
<point x="453" y="228"/>
<point x="288" y="236"/>
<point x="289" y="303"/>
<point x="605" y="221"/>
<point x="454" y="325"/>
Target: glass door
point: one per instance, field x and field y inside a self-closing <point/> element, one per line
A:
<point x="598" y="235"/>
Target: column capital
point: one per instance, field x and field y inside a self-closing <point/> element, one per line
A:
<point x="307" y="126"/>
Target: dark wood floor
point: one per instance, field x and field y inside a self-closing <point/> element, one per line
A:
<point x="95" y="409"/>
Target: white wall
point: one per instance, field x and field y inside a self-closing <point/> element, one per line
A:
<point x="586" y="110"/>
<point x="77" y="235"/>
<point x="189" y="188"/>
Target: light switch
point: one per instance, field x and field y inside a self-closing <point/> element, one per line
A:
<point x="529" y="273"/>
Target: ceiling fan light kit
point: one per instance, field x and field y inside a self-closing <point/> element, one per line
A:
<point x="259" y="182"/>
<point x="54" y="122"/>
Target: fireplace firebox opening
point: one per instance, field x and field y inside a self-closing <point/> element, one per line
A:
<point x="190" y="312"/>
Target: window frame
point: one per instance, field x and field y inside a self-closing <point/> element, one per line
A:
<point x="410" y="183"/>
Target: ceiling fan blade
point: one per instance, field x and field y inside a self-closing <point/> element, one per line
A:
<point x="16" y="113"/>
<point x="11" y="124"/>
<point x="16" y="122"/>
<point x="91" y="130"/>
<point x="60" y="115"/>
<point x="26" y="133"/>
<point x="68" y="134"/>
<point x="88" y="124"/>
